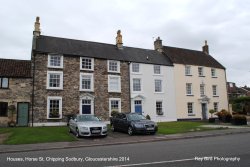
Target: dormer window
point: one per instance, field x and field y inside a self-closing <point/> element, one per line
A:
<point x="55" y="61"/>
<point x="113" y="66"/>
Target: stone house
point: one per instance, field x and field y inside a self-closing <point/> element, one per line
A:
<point x="200" y="81"/>
<point x="15" y="89"/>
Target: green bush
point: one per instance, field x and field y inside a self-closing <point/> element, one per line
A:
<point x="239" y="120"/>
<point x="114" y="113"/>
<point x="148" y="117"/>
<point x="211" y="111"/>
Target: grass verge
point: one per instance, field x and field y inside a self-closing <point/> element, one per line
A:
<point x="181" y="127"/>
<point x="29" y="135"/>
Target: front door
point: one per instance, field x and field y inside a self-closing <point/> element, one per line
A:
<point x="22" y="114"/>
<point x="86" y="106"/>
<point x="138" y="106"/>
<point x="204" y="110"/>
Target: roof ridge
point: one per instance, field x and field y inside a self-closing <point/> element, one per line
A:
<point x="14" y="59"/>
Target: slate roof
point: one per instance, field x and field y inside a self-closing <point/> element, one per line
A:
<point x="191" y="57"/>
<point x="15" y="68"/>
<point x="47" y="44"/>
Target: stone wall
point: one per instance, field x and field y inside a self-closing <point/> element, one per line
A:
<point x="19" y="91"/>
<point x="71" y="94"/>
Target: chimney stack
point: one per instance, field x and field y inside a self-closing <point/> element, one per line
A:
<point x="205" y="48"/>
<point x="37" y="30"/>
<point x="119" y="43"/>
<point x="158" y="44"/>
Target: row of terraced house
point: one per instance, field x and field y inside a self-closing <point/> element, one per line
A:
<point x="66" y="76"/>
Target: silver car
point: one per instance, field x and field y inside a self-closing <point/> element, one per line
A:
<point x="87" y="125"/>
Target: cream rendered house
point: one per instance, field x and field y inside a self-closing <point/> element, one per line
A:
<point x="200" y="82"/>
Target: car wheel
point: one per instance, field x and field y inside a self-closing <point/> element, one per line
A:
<point x="77" y="133"/>
<point x="130" y="131"/>
<point x="112" y="128"/>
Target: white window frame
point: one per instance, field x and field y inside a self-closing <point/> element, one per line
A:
<point x="139" y="67"/>
<point x="133" y="85"/>
<point x="119" y="103"/>
<point x="91" y="82"/>
<point x="162" y="107"/>
<point x="60" y="105"/>
<point x="191" y="89"/>
<point x="213" y="73"/>
<point x="118" y="66"/>
<point x="61" y="79"/>
<point x="202" y="71"/>
<point x="161" y="85"/>
<point x="216" y="103"/>
<point x="192" y="113"/>
<point x="119" y="83"/>
<point x="154" y="66"/>
<point x="215" y="91"/>
<point x="188" y="70"/>
<point x="91" y="103"/>
<point x="202" y="92"/>
<point x="92" y="64"/>
<point x="61" y="61"/>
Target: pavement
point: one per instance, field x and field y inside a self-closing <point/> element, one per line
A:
<point x="116" y="138"/>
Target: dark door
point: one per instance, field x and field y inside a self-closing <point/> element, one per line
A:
<point x="86" y="106"/>
<point x="22" y="114"/>
<point x="204" y="110"/>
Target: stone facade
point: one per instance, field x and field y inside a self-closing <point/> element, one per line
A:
<point x="19" y="91"/>
<point x="71" y="94"/>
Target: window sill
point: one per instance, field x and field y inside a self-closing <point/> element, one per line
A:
<point x="191" y="114"/>
<point x="214" y="77"/>
<point x="117" y="72"/>
<point x="86" y="90"/>
<point x="202" y="76"/>
<point x="54" y="88"/>
<point x="61" y="67"/>
<point x="189" y="95"/>
<point x="157" y="75"/>
<point x="114" y="91"/>
<point x="83" y="69"/>
<point x="215" y="96"/>
<point x="159" y="92"/>
<point x="136" y="73"/>
<point x="189" y="75"/>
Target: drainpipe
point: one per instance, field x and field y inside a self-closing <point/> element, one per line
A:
<point x="129" y="87"/>
<point x="33" y="87"/>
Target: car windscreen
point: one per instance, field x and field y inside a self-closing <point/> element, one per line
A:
<point x="87" y="118"/>
<point x="135" y="117"/>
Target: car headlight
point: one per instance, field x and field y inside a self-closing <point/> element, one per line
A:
<point x="84" y="128"/>
<point x="104" y="128"/>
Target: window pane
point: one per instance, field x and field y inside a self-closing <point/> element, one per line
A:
<point x="135" y="67"/>
<point x="136" y="84"/>
<point x="115" y="105"/>
<point x="200" y="70"/>
<point x="202" y="90"/>
<point x="159" y="108"/>
<point x="54" y="80"/>
<point x="213" y="72"/>
<point x="190" y="108"/>
<point x="55" y="60"/>
<point x="86" y="63"/>
<point x="86" y="82"/>
<point x="214" y="90"/>
<point x="189" y="89"/>
<point x="187" y="70"/>
<point x="5" y="82"/>
<point x="113" y="66"/>
<point x="114" y="83"/>
<point x="3" y="109"/>
<point x="216" y="107"/>
<point x="157" y="69"/>
<point x="54" y="108"/>
<point x="158" y="86"/>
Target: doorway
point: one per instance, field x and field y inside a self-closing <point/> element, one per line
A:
<point x="22" y="114"/>
<point x="204" y="110"/>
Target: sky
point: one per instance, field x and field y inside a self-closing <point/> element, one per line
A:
<point x="225" y="24"/>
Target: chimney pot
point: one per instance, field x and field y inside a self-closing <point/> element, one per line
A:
<point x="37" y="30"/>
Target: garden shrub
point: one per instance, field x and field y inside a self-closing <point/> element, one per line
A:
<point x="239" y="120"/>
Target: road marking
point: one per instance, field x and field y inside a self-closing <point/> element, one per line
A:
<point x="151" y="163"/>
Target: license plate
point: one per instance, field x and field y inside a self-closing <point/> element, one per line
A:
<point x="150" y="128"/>
<point x="96" y="131"/>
